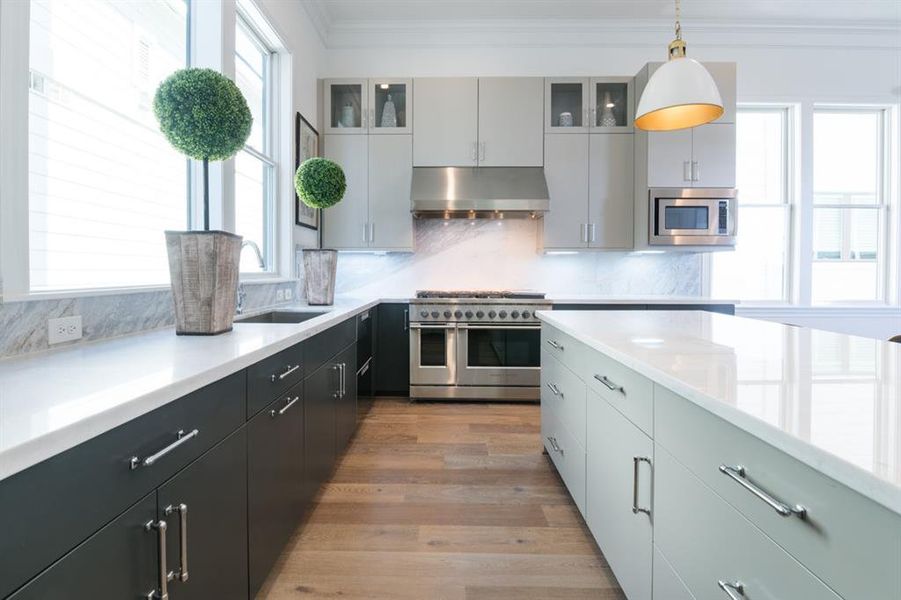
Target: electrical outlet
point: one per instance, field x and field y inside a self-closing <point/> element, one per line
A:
<point x="279" y="295"/>
<point x="64" y="329"/>
<point x="289" y="294"/>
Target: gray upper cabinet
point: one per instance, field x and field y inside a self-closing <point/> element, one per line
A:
<point x="566" y="102"/>
<point x="699" y="157"/>
<point x="346" y="105"/>
<point x="510" y="133"/>
<point x="375" y="211"/>
<point x="390" y="177"/>
<point x="611" y="105"/>
<point x="590" y="184"/>
<point x="345" y="225"/>
<point x="467" y="122"/>
<point x="390" y="106"/>
<point x="566" y="171"/>
<point x="446" y="122"/>
<point x="610" y="204"/>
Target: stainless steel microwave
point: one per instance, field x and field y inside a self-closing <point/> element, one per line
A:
<point x="692" y="216"/>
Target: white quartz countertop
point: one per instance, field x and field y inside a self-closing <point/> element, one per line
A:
<point x="830" y="400"/>
<point x="52" y="402"/>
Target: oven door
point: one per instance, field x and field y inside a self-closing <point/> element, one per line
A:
<point x="498" y="355"/>
<point x="433" y="354"/>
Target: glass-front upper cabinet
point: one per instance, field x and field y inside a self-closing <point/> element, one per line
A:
<point x="346" y="105"/>
<point x="390" y="106"/>
<point x="612" y="106"/>
<point x="566" y="103"/>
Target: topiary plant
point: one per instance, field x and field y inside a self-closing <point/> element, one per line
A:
<point x="320" y="182"/>
<point x="204" y="115"/>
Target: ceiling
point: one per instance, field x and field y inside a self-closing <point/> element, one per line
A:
<point x="774" y="12"/>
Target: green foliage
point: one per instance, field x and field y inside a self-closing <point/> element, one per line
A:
<point x="320" y="182"/>
<point x="203" y="114"/>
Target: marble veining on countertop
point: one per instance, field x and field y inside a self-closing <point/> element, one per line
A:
<point x="57" y="400"/>
<point x="830" y="400"/>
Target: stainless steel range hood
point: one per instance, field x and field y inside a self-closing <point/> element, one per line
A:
<point x="447" y="192"/>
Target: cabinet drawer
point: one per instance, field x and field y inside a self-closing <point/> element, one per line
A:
<point x="850" y="542"/>
<point x="668" y="585"/>
<point x="323" y="346"/>
<point x="626" y="390"/>
<point x="563" y="393"/>
<point x="563" y="347"/>
<point x="568" y="456"/>
<point x="273" y="376"/>
<point x="708" y="541"/>
<point x="60" y="502"/>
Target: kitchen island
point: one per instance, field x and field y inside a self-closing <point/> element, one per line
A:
<point x="716" y="456"/>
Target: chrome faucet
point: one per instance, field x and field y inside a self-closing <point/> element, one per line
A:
<point x="256" y="249"/>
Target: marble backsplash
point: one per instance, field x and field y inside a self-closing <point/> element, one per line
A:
<point x="488" y="254"/>
<point x="23" y="325"/>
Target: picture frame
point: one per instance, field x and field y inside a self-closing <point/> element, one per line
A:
<point x="306" y="145"/>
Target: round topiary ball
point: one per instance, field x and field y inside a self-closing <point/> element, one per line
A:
<point x="203" y="114"/>
<point x="320" y="182"/>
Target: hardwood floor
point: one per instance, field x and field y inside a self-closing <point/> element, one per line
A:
<point x="445" y="502"/>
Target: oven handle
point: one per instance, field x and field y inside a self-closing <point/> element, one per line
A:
<point x="418" y="326"/>
<point x="510" y="326"/>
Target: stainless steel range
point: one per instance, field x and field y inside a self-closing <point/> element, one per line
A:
<point x="475" y="345"/>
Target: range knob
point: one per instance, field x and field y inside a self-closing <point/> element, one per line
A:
<point x="491" y="314"/>
<point x="526" y="314"/>
<point x="424" y="314"/>
<point x="480" y="314"/>
<point x="515" y="314"/>
<point x="502" y="314"/>
<point x="469" y="314"/>
<point x="447" y="314"/>
<point x="458" y="314"/>
<point x="435" y="314"/>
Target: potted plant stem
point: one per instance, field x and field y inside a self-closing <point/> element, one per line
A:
<point x="320" y="183"/>
<point x="205" y="116"/>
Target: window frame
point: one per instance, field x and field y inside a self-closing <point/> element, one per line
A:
<point x="268" y="155"/>
<point x="882" y="206"/>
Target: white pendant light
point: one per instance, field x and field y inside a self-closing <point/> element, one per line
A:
<point x="680" y="94"/>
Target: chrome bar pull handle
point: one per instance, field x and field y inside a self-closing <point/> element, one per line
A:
<point x="406" y="319"/>
<point x="475" y="152"/>
<point x="555" y="344"/>
<point x="734" y="589"/>
<point x="686" y="170"/>
<point x="613" y="387"/>
<point x="182" y="438"/>
<point x="284" y="373"/>
<point x="592" y="232"/>
<point x="695" y="171"/>
<point x="554" y="389"/>
<point x="337" y="369"/>
<point x="636" y="461"/>
<point x="162" y="593"/>
<point x="371" y="232"/>
<point x="481" y="150"/>
<point x="343" y="379"/>
<point x="740" y="476"/>
<point x="182" y="510"/>
<point x="366" y="232"/>
<point x="277" y="413"/>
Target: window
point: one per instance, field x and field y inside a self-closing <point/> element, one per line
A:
<point x="103" y="182"/>
<point x="848" y="205"/>
<point x="255" y="165"/>
<point x="757" y="269"/>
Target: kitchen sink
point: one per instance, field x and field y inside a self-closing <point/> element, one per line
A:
<point x="282" y="316"/>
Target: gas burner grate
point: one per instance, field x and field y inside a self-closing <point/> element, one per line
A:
<point x="478" y="294"/>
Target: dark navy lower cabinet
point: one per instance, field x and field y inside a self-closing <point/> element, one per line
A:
<point x="205" y="509"/>
<point x="321" y="393"/>
<point x="392" y="369"/>
<point x="275" y="481"/>
<point x="119" y="561"/>
<point x="346" y="402"/>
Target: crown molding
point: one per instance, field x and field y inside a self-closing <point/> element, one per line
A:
<point x="320" y="16"/>
<point x="539" y="33"/>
